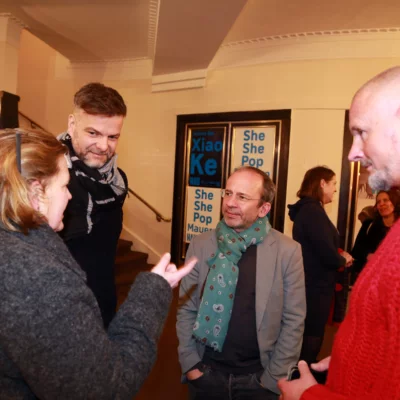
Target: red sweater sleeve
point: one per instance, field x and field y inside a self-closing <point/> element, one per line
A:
<point x="319" y="392"/>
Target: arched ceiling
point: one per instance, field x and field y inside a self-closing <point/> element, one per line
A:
<point x="185" y="35"/>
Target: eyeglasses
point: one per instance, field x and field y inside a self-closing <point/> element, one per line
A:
<point x="240" y="198"/>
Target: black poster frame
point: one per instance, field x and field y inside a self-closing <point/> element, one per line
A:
<point x="224" y="119"/>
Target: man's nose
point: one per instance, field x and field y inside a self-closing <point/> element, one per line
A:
<point x="102" y="144"/>
<point x="356" y="152"/>
<point x="231" y="201"/>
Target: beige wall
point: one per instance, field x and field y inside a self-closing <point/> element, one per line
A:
<point x="318" y="92"/>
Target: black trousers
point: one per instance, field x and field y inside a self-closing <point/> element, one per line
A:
<point x="214" y="384"/>
<point x="97" y="260"/>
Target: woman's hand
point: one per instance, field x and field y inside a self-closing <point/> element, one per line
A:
<point x="348" y="257"/>
<point x="169" y="271"/>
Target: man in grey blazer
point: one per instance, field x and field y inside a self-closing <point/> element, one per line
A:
<point x="240" y="332"/>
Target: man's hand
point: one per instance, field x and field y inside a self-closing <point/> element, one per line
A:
<point x="169" y="271"/>
<point x="322" y="365"/>
<point x="293" y="390"/>
<point x="194" y="374"/>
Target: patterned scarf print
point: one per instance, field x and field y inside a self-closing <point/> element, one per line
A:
<point x="108" y="174"/>
<point x="215" y="311"/>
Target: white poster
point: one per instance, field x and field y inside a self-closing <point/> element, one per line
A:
<point x="254" y="146"/>
<point x="203" y="208"/>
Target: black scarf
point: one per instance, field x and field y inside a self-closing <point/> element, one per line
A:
<point x="93" y="191"/>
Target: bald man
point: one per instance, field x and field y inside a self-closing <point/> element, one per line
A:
<point x="365" y="360"/>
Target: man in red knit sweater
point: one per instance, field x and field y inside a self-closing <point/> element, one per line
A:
<point x="365" y="360"/>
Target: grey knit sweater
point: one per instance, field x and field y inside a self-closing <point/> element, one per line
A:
<point x="52" y="342"/>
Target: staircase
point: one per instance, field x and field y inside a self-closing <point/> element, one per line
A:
<point x="128" y="264"/>
<point x="164" y="379"/>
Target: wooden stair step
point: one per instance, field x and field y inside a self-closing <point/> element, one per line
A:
<point x="124" y="246"/>
<point x="128" y="264"/>
<point x="128" y="276"/>
<point x="130" y="259"/>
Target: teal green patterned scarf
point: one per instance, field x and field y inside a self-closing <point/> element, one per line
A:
<point x="215" y="311"/>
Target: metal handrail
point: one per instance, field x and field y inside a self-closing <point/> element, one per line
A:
<point x="159" y="217"/>
<point x="33" y="122"/>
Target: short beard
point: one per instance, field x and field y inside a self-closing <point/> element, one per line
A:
<point x="380" y="180"/>
<point x="92" y="163"/>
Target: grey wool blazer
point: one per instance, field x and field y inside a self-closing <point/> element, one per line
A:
<point x="280" y="304"/>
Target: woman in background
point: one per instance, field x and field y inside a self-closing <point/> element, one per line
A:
<point x="52" y="341"/>
<point x="373" y="231"/>
<point x="319" y="240"/>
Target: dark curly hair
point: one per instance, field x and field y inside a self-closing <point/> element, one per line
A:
<point x="394" y="197"/>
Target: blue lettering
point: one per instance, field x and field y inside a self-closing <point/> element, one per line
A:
<point x="197" y="229"/>
<point x="195" y="166"/>
<point x="253" y="162"/>
<point x="202" y="218"/>
<point x="253" y="136"/>
<point x="218" y="146"/>
<point x="202" y="145"/>
<point x="203" y="194"/>
<point x="252" y="149"/>
<point x="201" y="206"/>
<point x="189" y="237"/>
<point x="211" y="167"/>
<point x="209" y="146"/>
<point x="194" y="181"/>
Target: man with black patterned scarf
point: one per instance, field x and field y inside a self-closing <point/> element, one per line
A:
<point x="93" y="218"/>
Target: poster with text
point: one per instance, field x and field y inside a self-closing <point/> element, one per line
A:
<point x="206" y="157"/>
<point x="202" y="211"/>
<point x="254" y="146"/>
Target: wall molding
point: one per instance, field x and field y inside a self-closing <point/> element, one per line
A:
<point x="14" y="19"/>
<point x="327" y="33"/>
<point x="10" y="29"/>
<point x="119" y="69"/>
<point x="179" y="80"/>
<point x="154" y="13"/>
<point x="335" y="44"/>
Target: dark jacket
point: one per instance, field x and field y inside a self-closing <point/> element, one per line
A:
<point x="319" y="240"/>
<point x="369" y="237"/>
<point x="52" y="341"/>
<point x="94" y="244"/>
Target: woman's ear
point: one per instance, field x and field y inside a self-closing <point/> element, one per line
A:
<point x="322" y="183"/>
<point x="36" y="194"/>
